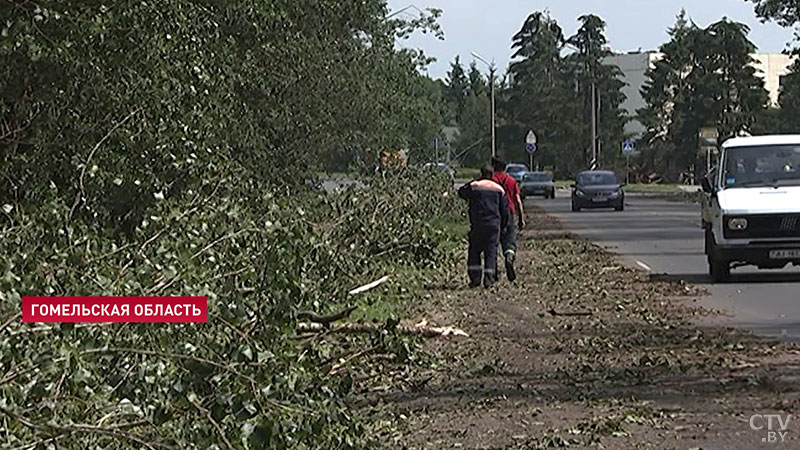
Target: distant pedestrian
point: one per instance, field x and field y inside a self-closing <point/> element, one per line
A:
<point x="488" y="215"/>
<point x="508" y="235"/>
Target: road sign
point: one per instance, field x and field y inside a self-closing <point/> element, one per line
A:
<point x="709" y="139"/>
<point x="530" y="142"/>
<point x="628" y="147"/>
<point x="709" y="136"/>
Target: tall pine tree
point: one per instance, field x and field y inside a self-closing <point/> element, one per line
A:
<point x="787" y="119"/>
<point x="596" y="77"/>
<point x="456" y="86"/>
<point x="541" y="96"/>
<point x="706" y="78"/>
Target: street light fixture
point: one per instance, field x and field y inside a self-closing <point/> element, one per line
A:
<point x="491" y="82"/>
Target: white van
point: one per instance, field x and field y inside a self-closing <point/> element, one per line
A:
<point x="751" y="210"/>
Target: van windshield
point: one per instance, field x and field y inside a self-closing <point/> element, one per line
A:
<point x="773" y="165"/>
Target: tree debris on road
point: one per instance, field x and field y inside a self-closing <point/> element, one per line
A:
<point x="576" y="355"/>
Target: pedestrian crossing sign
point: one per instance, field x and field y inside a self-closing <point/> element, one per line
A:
<point x="628" y="147"/>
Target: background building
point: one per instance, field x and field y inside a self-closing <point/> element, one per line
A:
<point x="770" y="66"/>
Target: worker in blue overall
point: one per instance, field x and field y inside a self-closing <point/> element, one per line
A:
<point x="488" y="215"/>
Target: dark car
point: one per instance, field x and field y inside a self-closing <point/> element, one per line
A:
<point x="516" y="171"/>
<point x="597" y="189"/>
<point x="538" y="183"/>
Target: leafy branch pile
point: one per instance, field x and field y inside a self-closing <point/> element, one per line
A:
<point x="163" y="149"/>
<point x="238" y="378"/>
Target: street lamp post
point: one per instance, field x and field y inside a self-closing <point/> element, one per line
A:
<point x="491" y="82"/>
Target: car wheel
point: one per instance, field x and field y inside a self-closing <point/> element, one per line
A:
<point x="552" y="194"/>
<point x="718" y="268"/>
<point x="621" y="207"/>
<point x="575" y="208"/>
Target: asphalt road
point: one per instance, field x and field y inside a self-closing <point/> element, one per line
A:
<point x="665" y="238"/>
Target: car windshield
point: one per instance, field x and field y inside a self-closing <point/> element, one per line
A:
<point x="761" y="166"/>
<point x="597" y="179"/>
<point x="516" y="169"/>
<point x="537" y="177"/>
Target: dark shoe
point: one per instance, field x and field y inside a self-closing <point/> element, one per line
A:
<point x="488" y="284"/>
<point x="510" y="271"/>
<point x="474" y="283"/>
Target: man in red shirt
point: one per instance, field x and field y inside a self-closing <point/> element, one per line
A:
<point x="508" y="236"/>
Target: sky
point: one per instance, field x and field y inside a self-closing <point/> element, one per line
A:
<point x="486" y="26"/>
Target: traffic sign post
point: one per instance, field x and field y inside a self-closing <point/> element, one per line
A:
<point x="531" y="146"/>
<point x="628" y="147"/>
<point x="709" y="141"/>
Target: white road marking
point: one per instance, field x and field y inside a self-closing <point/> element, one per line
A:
<point x="644" y="266"/>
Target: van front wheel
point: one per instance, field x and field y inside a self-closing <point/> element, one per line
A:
<point x="718" y="268"/>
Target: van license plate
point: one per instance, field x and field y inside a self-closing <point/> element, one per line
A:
<point x="785" y="254"/>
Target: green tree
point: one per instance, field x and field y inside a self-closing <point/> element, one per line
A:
<point x="426" y="117"/>
<point x="457" y="85"/>
<point x="726" y="87"/>
<point x="790" y="100"/>
<point x="706" y="78"/>
<point x="594" y="74"/>
<point x="475" y="124"/>
<point x="478" y="84"/>
<point x="785" y="12"/>
<point x="666" y="87"/>
<point x="541" y="97"/>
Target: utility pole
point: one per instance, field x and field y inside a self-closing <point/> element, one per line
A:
<point x="491" y="82"/>
<point x="494" y="127"/>
<point x="628" y="168"/>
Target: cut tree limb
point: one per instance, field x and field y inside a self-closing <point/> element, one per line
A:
<point x="369" y="286"/>
<point x="328" y="319"/>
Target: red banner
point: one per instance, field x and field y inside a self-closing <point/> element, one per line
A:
<point x="115" y="309"/>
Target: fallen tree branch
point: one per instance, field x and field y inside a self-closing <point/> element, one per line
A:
<point x="214" y="423"/>
<point x="325" y="319"/>
<point x="168" y="355"/>
<point x="82" y="194"/>
<point x="117" y="430"/>
<point x="340" y="366"/>
<point x="421" y="329"/>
